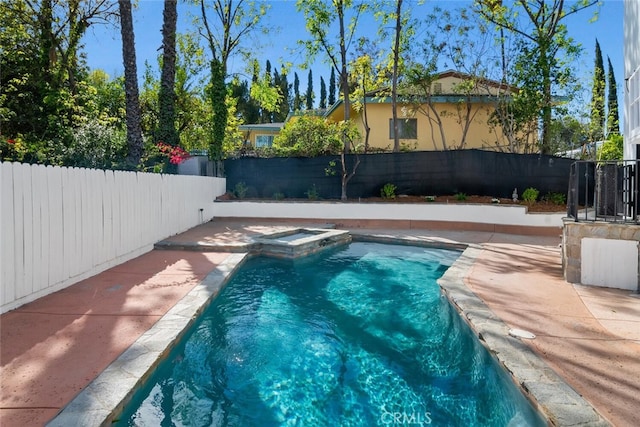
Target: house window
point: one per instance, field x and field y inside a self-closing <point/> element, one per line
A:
<point x="437" y="88"/>
<point x="264" y="140"/>
<point x="634" y="107"/>
<point x="407" y="128"/>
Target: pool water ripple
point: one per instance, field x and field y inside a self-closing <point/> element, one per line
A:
<point x="356" y="337"/>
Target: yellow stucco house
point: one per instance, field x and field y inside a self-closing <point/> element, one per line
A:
<point x="260" y="135"/>
<point x="455" y="114"/>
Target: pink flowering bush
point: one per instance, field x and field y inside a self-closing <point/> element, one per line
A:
<point x="162" y="158"/>
<point x="176" y="155"/>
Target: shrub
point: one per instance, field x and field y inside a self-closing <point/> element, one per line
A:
<point x="313" y="136"/>
<point x="430" y="198"/>
<point x="278" y="196"/>
<point x="530" y="195"/>
<point x="388" y="191"/>
<point x="612" y="149"/>
<point x="556" y="198"/>
<point x="95" y="145"/>
<point x="240" y="190"/>
<point x="312" y="193"/>
<point x="461" y="197"/>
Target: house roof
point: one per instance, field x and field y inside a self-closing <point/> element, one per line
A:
<point x="374" y="95"/>
<point x="273" y="127"/>
<point x="481" y="82"/>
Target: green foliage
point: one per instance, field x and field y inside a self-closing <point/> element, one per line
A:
<point x="332" y="87"/>
<point x="96" y="145"/>
<point x="167" y="95"/>
<point x="530" y="195"/>
<point x="217" y="97"/>
<point x="330" y="170"/>
<point x="264" y="93"/>
<point x="12" y="150"/>
<point x="612" y="149"/>
<point x="323" y="94"/>
<point x="597" y="97"/>
<point x="311" y="136"/>
<point x="312" y="193"/>
<point x="544" y="51"/>
<point x="309" y="95"/>
<point x="430" y="199"/>
<point x="613" y="116"/>
<point x="461" y="197"/>
<point x="388" y="191"/>
<point x="297" y="98"/>
<point x="568" y="133"/>
<point x="556" y="198"/>
<point x="278" y="196"/>
<point x="240" y="190"/>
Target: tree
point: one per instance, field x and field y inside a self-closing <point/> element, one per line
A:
<point x="320" y="17"/>
<point x="323" y="94"/>
<point x="167" y="96"/>
<point x="43" y="88"/>
<point x="134" y="128"/>
<point x="297" y="99"/>
<point x="264" y="93"/>
<point x="266" y="115"/>
<point x="235" y="22"/>
<point x="546" y="38"/>
<point x="246" y="108"/>
<point x="597" y="97"/>
<point x="568" y="133"/>
<point x="280" y="81"/>
<point x="332" y="87"/>
<point x="309" y="96"/>
<point x="394" y="76"/>
<point x="362" y="75"/>
<point x="613" y="119"/>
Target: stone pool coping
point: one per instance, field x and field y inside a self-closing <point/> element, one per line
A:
<point x="104" y="398"/>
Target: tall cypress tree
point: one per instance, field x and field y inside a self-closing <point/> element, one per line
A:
<point x="613" y="116"/>
<point x="297" y="101"/>
<point x="332" y="87"/>
<point x="323" y="94"/>
<point x="597" y="99"/>
<point x="267" y="116"/>
<point x="280" y="81"/>
<point x="309" y="95"/>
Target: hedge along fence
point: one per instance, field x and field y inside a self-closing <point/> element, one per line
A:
<point x="61" y="225"/>
<point x="473" y="172"/>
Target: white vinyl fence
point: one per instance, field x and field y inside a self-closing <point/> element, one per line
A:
<point x="61" y="225"/>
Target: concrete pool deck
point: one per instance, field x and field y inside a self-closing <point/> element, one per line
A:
<point x="54" y="347"/>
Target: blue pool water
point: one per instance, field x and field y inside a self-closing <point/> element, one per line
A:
<point x="360" y="336"/>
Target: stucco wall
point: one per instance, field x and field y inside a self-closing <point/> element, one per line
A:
<point x="479" y="135"/>
<point x="631" y="64"/>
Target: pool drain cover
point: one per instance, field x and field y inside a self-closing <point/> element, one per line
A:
<point x="520" y="333"/>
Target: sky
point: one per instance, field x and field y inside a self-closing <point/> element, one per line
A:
<point x="103" y="47"/>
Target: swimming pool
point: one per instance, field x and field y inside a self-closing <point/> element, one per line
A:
<point x="359" y="336"/>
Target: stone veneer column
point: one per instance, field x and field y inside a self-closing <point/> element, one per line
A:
<point x="573" y="233"/>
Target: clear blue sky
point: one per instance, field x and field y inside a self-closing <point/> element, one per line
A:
<point x="103" y="46"/>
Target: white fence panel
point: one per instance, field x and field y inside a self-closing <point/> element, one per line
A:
<point x="54" y="229"/>
<point x="61" y="225"/>
<point x="7" y="234"/>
